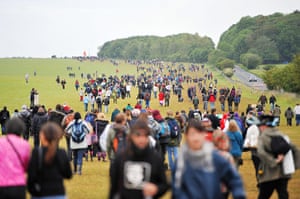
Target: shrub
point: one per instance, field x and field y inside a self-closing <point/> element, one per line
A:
<point x="250" y="60"/>
<point x="228" y="72"/>
<point x="225" y="63"/>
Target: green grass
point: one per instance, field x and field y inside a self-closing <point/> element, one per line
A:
<point x="94" y="181"/>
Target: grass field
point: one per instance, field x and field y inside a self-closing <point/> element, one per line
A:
<point x="94" y="181"/>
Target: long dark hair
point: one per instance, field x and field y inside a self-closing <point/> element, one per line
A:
<point x="77" y="116"/>
<point x="52" y="133"/>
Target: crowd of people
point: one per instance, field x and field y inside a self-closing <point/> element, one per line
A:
<point x="136" y="142"/>
<point x="141" y="143"/>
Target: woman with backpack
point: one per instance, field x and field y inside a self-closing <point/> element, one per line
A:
<point x="78" y="129"/>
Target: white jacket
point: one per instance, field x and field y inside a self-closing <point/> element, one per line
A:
<point x="85" y="128"/>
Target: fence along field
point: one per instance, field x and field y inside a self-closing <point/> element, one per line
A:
<point x="94" y="182"/>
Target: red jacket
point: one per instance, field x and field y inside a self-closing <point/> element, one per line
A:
<point x="161" y="96"/>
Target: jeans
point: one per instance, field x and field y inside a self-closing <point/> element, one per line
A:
<point x="172" y="156"/>
<point x="272" y="106"/>
<point x="205" y="105"/>
<point x="223" y="107"/>
<point x="212" y="105"/>
<point x="106" y="108"/>
<point x="297" y="119"/>
<point x="3" y="129"/>
<point x="78" y="155"/>
<point x="147" y="103"/>
<point x="85" y="107"/>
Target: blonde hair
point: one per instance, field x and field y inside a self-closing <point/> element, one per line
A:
<point x="233" y="127"/>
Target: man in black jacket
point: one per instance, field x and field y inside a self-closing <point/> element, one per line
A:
<point x="38" y="120"/>
<point x="138" y="172"/>
<point x="4" y="116"/>
<point x="215" y="122"/>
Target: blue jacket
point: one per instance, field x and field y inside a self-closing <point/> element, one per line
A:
<point x="236" y="142"/>
<point x="197" y="183"/>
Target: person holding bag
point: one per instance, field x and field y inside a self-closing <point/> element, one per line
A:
<point x="14" y="158"/>
<point x="48" y="166"/>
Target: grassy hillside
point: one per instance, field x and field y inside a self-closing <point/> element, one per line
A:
<point x="94" y="181"/>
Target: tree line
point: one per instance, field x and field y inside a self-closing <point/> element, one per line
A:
<point x="175" y="48"/>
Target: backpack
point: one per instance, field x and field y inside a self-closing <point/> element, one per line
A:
<point x="119" y="141"/>
<point x="98" y="100"/>
<point x="279" y="145"/>
<point x="78" y="134"/>
<point x="91" y="119"/>
<point x="197" y="115"/>
<point x="174" y="128"/>
<point x="165" y="130"/>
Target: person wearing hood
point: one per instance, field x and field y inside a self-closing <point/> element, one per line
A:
<point x="200" y="169"/>
<point x="138" y="171"/>
<point x="25" y="116"/>
<point x="38" y="120"/>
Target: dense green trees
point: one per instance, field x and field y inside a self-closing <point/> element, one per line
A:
<point x="274" y="38"/>
<point x="286" y="78"/>
<point x="252" y="41"/>
<point x="177" y="48"/>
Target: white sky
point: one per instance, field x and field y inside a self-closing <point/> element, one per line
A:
<point x="41" y="28"/>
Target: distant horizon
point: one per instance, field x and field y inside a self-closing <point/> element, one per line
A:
<point x="40" y="29"/>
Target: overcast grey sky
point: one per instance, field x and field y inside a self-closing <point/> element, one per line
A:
<point x="41" y="28"/>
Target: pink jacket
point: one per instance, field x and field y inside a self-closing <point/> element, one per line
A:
<point x="12" y="170"/>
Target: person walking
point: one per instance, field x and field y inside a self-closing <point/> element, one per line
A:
<point x="270" y="173"/>
<point x="14" y="158"/>
<point x="116" y="136"/>
<point x="100" y="125"/>
<point x="4" y="117"/>
<point x="236" y="142"/>
<point x="195" y="102"/>
<point x="38" y="120"/>
<point x="200" y="169"/>
<point x="276" y="113"/>
<point x="77" y="130"/>
<point x="289" y="114"/>
<point x="175" y="139"/>
<point x="25" y="116"/>
<point x="164" y="135"/>
<point x="48" y="166"/>
<point x="86" y="102"/>
<point x="138" y="171"/>
<point x="272" y="101"/>
<point x="297" y="114"/>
